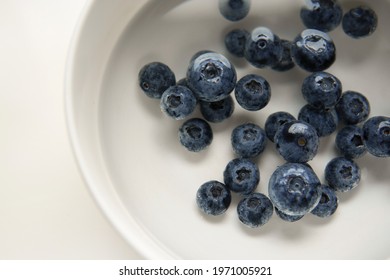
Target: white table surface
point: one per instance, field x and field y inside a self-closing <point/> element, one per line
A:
<point x="46" y="211"/>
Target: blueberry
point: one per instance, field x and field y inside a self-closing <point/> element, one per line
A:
<point x="252" y="92"/>
<point x="255" y="210"/>
<point x="297" y="141"/>
<point x="263" y="48"/>
<point x="313" y="50"/>
<point x="275" y="121"/>
<point x="182" y="82"/>
<point x="234" y="10"/>
<point x="195" y="134"/>
<point x="322" y="90"/>
<point x="154" y="78"/>
<point x="342" y="174"/>
<point x="353" y="107"/>
<point x="248" y="140"/>
<point x="324" y="15"/>
<point x="286" y="217"/>
<point x="213" y="198"/>
<point x="350" y="142"/>
<point x="328" y="202"/>
<point x="294" y="188"/>
<point x="235" y="42"/>
<point x="241" y="176"/>
<point x="376" y="135"/>
<point x="178" y="102"/>
<point x="324" y="121"/>
<point x="360" y="22"/>
<point x="217" y="111"/>
<point x="211" y="77"/>
<point x="286" y="62"/>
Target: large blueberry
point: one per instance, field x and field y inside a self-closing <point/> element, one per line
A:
<point x="353" y="107"/>
<point x="325" y="121"/>
<point x="154" y="78"/>
<point x="324" y="15"/>
<point x="342" y="174"/>
<point x="234" y="10"/>
<point x="297" y="141"/>
<point x="350" y="142"/>
<point x="241" y="176"/>
<point x="275" y="121"/>
<point x="294" y="188"/>
<point x="235" y="41"/>
<point x="313" y="50"/>
<point x="248" y="140"/>
<point x="328" y="202"/>
<point x="178" y="102"/>
<point x="211" y="76"/>
<point x="252" y="92"/>
<point x="360" y="22"/>
<point x="195" y="134"/>
<point x="213" y="198"/>
<point x="217" y="111"/>
<point x="376" y="135"/>
<point x="255" y="210"/>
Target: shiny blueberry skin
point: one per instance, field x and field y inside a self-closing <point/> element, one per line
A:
<point x="353" y="107"/>
<point x="342" y="174"/>
<point x="313" y="50"/>
<point x="195" y="134"/>
<point x="275" y="121"/>
<point x="286" y="62"/>
<point x="360" y="22"/>
<point x="234" y="10"/>
<point x="324" y="121"/>
<point x="286" y="217"/>
<point x="252" y="92"/>
<point x="241" y="176"/>
<point x="217" y="111"/>
<point x="376" y="135"/>
<point x="178" y="102"/>
<point x="328" y="203"/>
<point x="294" y="188"/>
<point x="213" y="198"/>
<point x="324" y="15"/>
<point x="248" y="140"/>
<point x="322" y="90"/>
<point x="350" y="143"/>
<point x="211" y="76"/>
<point x="297" y="141"/>
<point x="263" y="48"/>
<point x="235" y="42"/>
<point x="255" y="210"/>
<point x="154" y="78"/>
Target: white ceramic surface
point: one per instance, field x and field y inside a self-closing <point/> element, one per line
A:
<point x="144" y="180"/>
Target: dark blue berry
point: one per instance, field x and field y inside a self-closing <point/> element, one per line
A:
<point x="178" y="102"/>
<point x="294" y="188"/>
<point x="360" y="22"/>
<point x="263" y="48"/>
<point x="286" y="217"/>
<point x="324" y="121"/>
<point x="286" y="62"/>
<point x="195" y="134"/>
<point x="252" y="92"/>
<point x="353" y="107"/>
<point x="182" y="82"/>
<point x="213" y="198"/>
<point x="328" y="202"/>
<point x="154" y="78"/>
<point x="241" y="176"/>
<point x="275" y="121"/>
<point x="313" y="50"/>
<point x="376" y="135"/>
<point x="322" y="90"/>
<point x="297" y="141"/>
<point x="350" y="142"/>
<point x="248" y="140"/>
<point x="235" y="42"/>
<point x="255" y="210"/>
<point x="324" y="15"/>
<point x="211" y="77"/>
<point x="342" y="174"/>
<point x="217" y="111"/>
<point x="234" y="10"/>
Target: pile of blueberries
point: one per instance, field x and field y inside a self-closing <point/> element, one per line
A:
<point x="294" y="189"/>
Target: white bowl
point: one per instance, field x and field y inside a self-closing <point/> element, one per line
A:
<point x="145" y="181"/>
